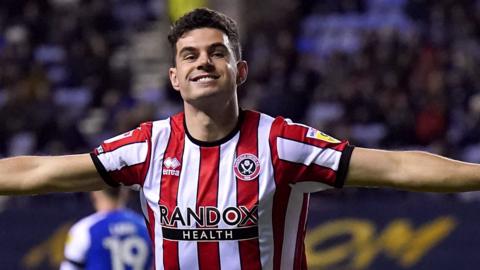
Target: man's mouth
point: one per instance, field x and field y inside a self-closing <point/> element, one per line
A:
<point x="205" y="78"/>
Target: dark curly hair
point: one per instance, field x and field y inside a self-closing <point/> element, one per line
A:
<point x="201" y="18"/>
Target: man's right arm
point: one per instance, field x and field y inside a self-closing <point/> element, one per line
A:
<point x="46" y="174"/>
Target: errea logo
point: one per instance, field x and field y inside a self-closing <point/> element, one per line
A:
<point x="170" y="166"/>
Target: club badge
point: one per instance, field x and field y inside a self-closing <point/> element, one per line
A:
<point x="246" y="167"/>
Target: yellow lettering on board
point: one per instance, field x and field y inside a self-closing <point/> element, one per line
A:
<point x="399" y="241"/>
<point x="50" y="250"/>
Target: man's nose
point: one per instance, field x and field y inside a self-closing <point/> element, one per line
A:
<point x="205" y="61"/>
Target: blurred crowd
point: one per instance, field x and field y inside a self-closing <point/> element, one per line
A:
<point x="60" y="60"/>
<point x="383" y="73"/>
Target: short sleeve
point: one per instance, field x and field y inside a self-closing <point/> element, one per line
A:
<point x="307" y="157"/>
<point x="124" y="159"/>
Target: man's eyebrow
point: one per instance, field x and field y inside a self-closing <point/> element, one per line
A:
<point x="211" y="47"/>
<point x="216" y="45"/>
<point x="187" y="49"/>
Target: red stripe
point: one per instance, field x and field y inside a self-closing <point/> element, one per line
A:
<point x="140" y="134"/>
<point x="295" y="172"/>
<point x="135" y="174"/>
<point x="300" y="259"/>
<point x="208" y="252"/>
<point x="151" y="231"/>
<point x="146" y="168"/>
<point x="281" y="196"/>
<point x="169" y="188"/>
<point x="148" y="130"/>
<point x="247" y="191"/>
<point x="298" y="133"/>
<point x="280" y="203"/>
<point x="131" y="174"/>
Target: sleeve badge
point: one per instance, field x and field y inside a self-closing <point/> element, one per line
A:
<point x="318" y="135"/>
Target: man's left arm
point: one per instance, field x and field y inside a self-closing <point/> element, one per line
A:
<point x="411" y="170"/>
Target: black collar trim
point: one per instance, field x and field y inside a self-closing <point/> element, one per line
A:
<point x="217" y="142"/>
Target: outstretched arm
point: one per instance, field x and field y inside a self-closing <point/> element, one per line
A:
<point x="411" y="170"/>
<point x="44" y="174"/>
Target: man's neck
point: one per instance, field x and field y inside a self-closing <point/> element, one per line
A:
<point x="212" y="124"/>
<point x="107" y="206"/>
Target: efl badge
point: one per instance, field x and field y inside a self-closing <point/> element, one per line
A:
<point x="100" y="150"/>
<point x="315" y="134"/>
<point x="246" y="167"/>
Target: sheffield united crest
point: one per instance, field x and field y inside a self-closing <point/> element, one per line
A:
<point x="246" y="167"/>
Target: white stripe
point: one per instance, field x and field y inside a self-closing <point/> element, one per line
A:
<point x="307" y="154"/>
<point x="151" y="187"/>
<point x="227" y="196"/>
<point x="187" y="198"/>
<point x="144" y="204"/>
<point x="266" y="190"/>
<point x="127" y="155"/>
<point x="311" y="186"/>
<point x="292" y="218"/>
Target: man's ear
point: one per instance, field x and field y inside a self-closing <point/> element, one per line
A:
<point x="242" y="72"/>
<point x="172" y="73"/>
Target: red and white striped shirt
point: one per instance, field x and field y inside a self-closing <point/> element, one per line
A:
<point x="238" y="203"/>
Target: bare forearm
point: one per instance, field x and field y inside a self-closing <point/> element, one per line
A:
<point x="427" y="172"/>
<point x="33" y="175"/>
<point x="16" y="175"/>
<point x="414" y="170"/>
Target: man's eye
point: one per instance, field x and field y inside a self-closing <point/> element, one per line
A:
<point x="218" y="54"/>
<point x="189" y="57"/>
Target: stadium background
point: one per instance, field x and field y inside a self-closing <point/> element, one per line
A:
<point x="396" y="74"/>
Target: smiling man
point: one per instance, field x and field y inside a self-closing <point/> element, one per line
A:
<point x="222" y="187"/>
<point x="206" y="74"/>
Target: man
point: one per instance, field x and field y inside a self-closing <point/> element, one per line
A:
<point x="112" y="238"/>
<point x="225" y="188"/>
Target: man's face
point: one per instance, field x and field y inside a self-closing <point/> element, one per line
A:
<point x="206" y="67"/>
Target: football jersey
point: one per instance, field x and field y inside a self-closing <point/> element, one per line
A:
<point x="115" y="240"/>
<point x="237" y="203"/>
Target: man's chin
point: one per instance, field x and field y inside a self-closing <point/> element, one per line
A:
<point x="204" y="92"/>
<point x="206" y="99"/>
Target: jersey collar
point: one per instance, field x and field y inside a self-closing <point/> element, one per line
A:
<point x="220" y="141"/>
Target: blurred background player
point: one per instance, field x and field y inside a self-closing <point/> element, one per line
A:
<point x="112" y="238"/>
